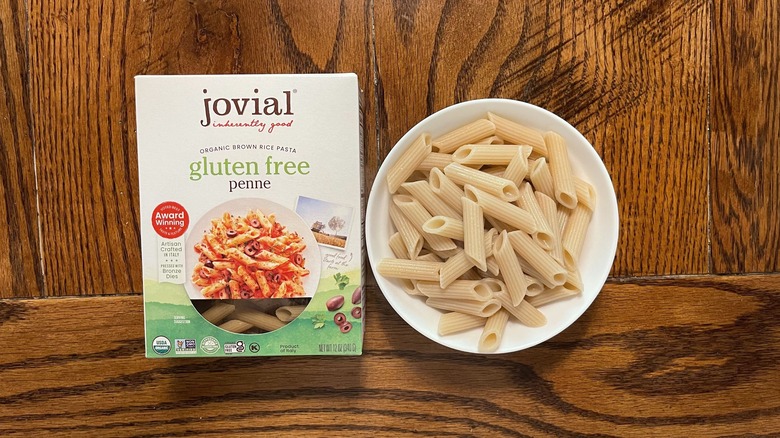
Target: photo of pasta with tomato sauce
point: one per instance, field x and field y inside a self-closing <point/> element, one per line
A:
<point x="249" y="257"/>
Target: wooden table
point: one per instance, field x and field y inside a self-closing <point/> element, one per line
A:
<point x="680" y="98"/>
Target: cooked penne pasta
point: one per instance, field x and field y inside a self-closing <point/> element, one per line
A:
<point x="444" y="226"/>
<point x="408" y="162"/>
<point x="544" y="235"/>
<point x="412" y="238"/>
<point x="542" y="262"/>
<point x="503" y="211"/>
<point x="454" y="322"/>
<point x="499" y="187"/>
<point x="493" y="331"/>
<point x="289" y="313"/>
<point x="435" y="160"/>
<point x="516" y="133"/>
<point x="473" y="233"/>
<point x="466" y="134"/>
<point x="219" y="311"/>
<point x="477" y="308"/>
<point x="418" y="215"/>
<point x="485" y="154"/>
<point x="422" y="192"/>
<point x="411" y="269"/>
<point x="560" y="169"/>
<point x="510" y="269"/>
<point x="447" y="190"/>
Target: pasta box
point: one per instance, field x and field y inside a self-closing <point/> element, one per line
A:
<point x="251" y="214"/>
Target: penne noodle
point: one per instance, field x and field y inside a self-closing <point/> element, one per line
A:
<point x="422" y="192"/>
<point x="543" y="236"/>
<point x="418" y="215"/>
<point x="541" y="178"/>
<point x="560" y="169"/>
<point x="408" y="162"/>
<point x="410" y="269"/>
<point x="494" y="170"/>
<point x="503" y="211"/>
<point x="485" y="154"/>
<point x="453" y="268"/>
<point x="493" y="139"/>
<point x="476" y="308"/>
<point x="473" y="233"/>
<point x="412" y="238"/>
<point x="236" y="326"/>
<point x="397" y="245"/>
<point x="534" y="286"/>
<point x="574" y="235"/>
<point x="219" y="311"/>
<point x="454" y="322"/>
<point x="435" y="160"/>
<point x="524" y="312"/>
<point x="492" y="265"/>
<point x="586" y="194"/>
<point x="549" y="209"/>
<point x="499" y="187"/>
<point x="289" y="313"/>
<point x="510" y="269"/>
<point x="517" y="168"/>
<point x="493" y="331"/>
<point x="443" y="187"/>
<point x="516" y="133"/>
<point x="465" y="134"/>
<point x="551" y="272"/>
<point x="410" y="286"/>
<point x="444" y="226"/>
<point x="429" y="257"/>
<point x="550" y="295"/>
<point x="475" y="290"/>
<point x="259" y="319"/>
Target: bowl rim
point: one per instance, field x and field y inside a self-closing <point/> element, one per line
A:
<point x="403" y="143"/>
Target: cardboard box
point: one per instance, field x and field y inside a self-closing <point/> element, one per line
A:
<point x="250" y="189"/>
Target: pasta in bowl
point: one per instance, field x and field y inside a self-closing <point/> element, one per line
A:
<point x="491" y="226"/>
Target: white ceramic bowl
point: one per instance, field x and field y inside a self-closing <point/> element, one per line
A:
<point x="598" y="250"/>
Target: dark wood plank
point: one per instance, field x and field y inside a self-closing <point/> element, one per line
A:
<point x="631" y="76"/>
<point x="667" y="357"/>
<point x="745" y="164"/>
<point x="84" y="60"/>
<point x="20" y="268"/>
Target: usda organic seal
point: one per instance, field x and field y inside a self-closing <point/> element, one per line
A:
<point x="209" y="345"/>
<point x="161" y="345"/>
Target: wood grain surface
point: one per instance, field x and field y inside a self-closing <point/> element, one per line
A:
<point x="679" y="98"/>
<point x="745" y="164"/>
<point x="697" y="368"/>
<point x="20" y="267"/>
